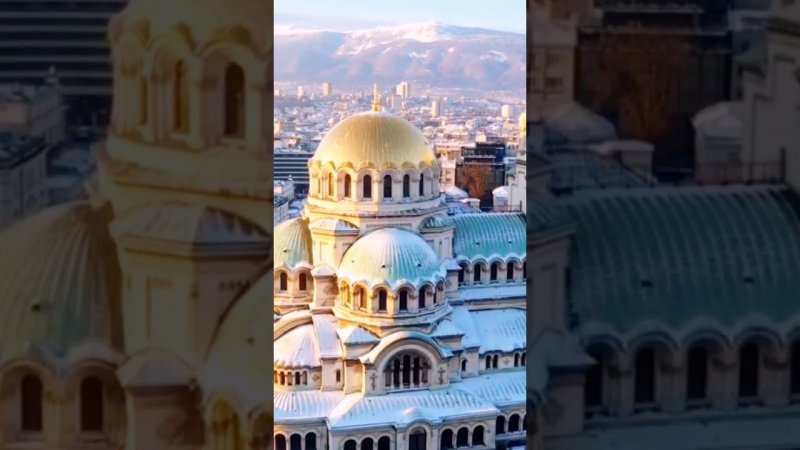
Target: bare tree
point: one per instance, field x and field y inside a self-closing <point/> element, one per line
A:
<point x="477" y="179"/>
<point x="640" y="74"/>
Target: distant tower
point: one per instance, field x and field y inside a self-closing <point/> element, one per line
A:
<point x="326" y="89"/>
<point x="300" y="92"/>
<point x="402" y="89"/>
<point x="436" y="108"/>
<point x="506" y="111"/>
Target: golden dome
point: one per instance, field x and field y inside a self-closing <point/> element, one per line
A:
<point x="378" y="140"/>
<point x="60" y="282"/>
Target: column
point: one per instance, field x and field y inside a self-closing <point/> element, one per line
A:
<point x="254" y="116"/>
<point x="195" y="138"/>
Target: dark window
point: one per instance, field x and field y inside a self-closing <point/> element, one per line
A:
<point x="463" y="365"/>
<point x="143" y="99"/>
<point x="382" y="300"/>
<point x="516" y="359"/>
<point x="181" y="97"/>
<point x="593" y="387"/>
<point x="697" y="373"/>
<point x="91" y="404"/>
<point x="347" y="186"/>
<point x="525" y="270"/>
<point x="495" y="358"/>
<point x="296" y="442"/>
<point x="510" y="271"/>
<point x="31" y="403"/>
<point x="447" y="440"/>
<point x="297" y="378"/>
<point x="234" y="101"/>
<point x="280" y="442"/>
<point x="461" y="274"/>
<point x="366" y="444"/>
<point x="406" y="186"/>
<point x="421" y="298"/>
<point x="477" y="436"/>
<point x="488" y="362"/>
<point x="311" y="441"/>
<point x="522" y="360"/>
<point x="493" y="272"/>
<point x="500" y="425"/>
<point x="513" y="423"/>
<point x="284" y="282"/>
<point x="387" y="186"/>
<point x="476" y="274"/>
<point x="462" y="438"/>
<point x="384" y="443"/>
<point x="417" y="440"/>
<point x="350" y="444"/>
<point x="749" y="360"/>
<point x="795" y="368"/>
<point x="302" y="282"/>
<point x="421" y="185"/>
<point x="645" y="376"/>
<point x="403" y="300"/>
<point x="338" y="375"/>
<point x="367" y="188"/>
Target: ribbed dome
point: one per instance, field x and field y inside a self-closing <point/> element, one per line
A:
<point x="60" y="283"/>
<point x="375" y="139"/>
<point x="292" y="243"/>
<point x="393" y="256"/>
<point x="204" y="19"/>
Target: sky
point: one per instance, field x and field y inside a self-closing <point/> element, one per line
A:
<point x="349" y="15"/>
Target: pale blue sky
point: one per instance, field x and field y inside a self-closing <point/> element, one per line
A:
<point x="348" y="15"/>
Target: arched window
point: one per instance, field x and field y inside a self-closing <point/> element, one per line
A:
<point x="463" y="365"/>
<point x="338" y="375"/>
<point x="366" y="188"/>
<point x="283" y="283"/>
<point x="421" y="298"/>
<point x="403" y="300"/>
<point x="462" y="437"/>
<point x="181" y="98"/>
<point x="477" y="436"/>
<point x="500" y="425"/>
<point x="522" y="359"/>
<point x="495" y="358"/>
<point x="367" y="444"/>
<point x="446" y="440"/>
<point x="406" y="186"/>
<point x="795" y="368"/>
<point x="311" y="441"/>
<point x="296" y="442"/>
<point x="418" y="440"/>
<point x="283" y="379"/>
<point x="387" y="186"/>
<point x="510" y="271"/>
<point x="476" y="273"/>
<point x="421" y="185"/>
<point x="461" y="273"/>
<point x="302" y="283"/>
<point x="347" y="185"/>
<point x="513" y="423"/>
<point x="331" y="180"/>
<point x="91" y="404"/>
<point x="525" y="270"/>
<point x="488" y="362"/>
<point x="31" y="405"/>
<point x="516" y="359"/>
<point x="645" y="376"/>
<point x="493" y="272"/>
<point x="297" y="379"/>
<point x="593" y="385"/>
<point x="280" y="442"/>
<point x="697" y="373"/>
<point x="407" y="369"/>
<point x="382" y="300"/>
<point x="143" y="99"/>
<point x="350" y="444"/>
<point x="275" y="376"/>
<point x="234" y="101"/>
<point x="305" y="378"/>
<point x="749" y="361"/>
<point x="360" y="297"/>
<point x="384" y="443"/>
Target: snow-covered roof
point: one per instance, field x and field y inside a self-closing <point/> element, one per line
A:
<point x="297" y="348"/>
<point x="356" y="335"/>
<point x="329" y="224"/>
<point x="501" y="329"/>
<point x="326" y="329"/>
<point x="721" y="120"/>
<point x="490" y="235"/>
<point x="305" y="405"/>
<point x="573" y="123"/>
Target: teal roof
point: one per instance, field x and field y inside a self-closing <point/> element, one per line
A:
<point x="292" y="243"/>
<point x="435" y="223"/>
<point x="60" y="283"/>
<point x="490" y="235"/>
<point x="676" y="254"/>
<point x="544" y="215"/>
<point x="392" y="256"/>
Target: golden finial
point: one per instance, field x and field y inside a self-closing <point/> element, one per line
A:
<point x="376" y="98"/>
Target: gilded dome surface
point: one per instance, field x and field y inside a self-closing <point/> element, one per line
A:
<point x="392" y="256"/>
<point x="292" y="244"/>
<point x="60" y="282"/>
<point x="205" y="20"/>
<point x="377" y="140"/>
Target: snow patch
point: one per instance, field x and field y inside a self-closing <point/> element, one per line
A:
<point x="494" y="54"/>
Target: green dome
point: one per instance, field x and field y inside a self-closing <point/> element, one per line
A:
<point x="391" y="256"/>
<point x="60" y="284"/>
<point x="292" y="244"/>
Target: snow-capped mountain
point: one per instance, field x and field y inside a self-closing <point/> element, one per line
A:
<point x="430" y="52"/>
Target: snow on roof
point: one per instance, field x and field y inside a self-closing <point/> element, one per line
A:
<point x="402" y="408"/>
<point x="356" y="335"/>
<point x="297" y="348"/>
<point x="328" y="224"/>
<point x="292" y="244"/>
<point x="447" y="328"/>
<point x="625" y="145"/>
<point x="493" y="292"/>
<point x="573" y="123"/>
<point x="503" y="389"/>
<point x="463" y="319"/>
<point x="305" y="405"/>
<point x="501" y="329"/>
<point x="490" y="235"/>
<point x="723" y="119"/>
<point x="326" y="329"/>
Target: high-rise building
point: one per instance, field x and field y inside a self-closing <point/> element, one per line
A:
<point x="69" y="35"/>
<point x="436" y="108"/>
<point x="507" y="111"/>
<point x="326" y="89"/>
<point x="300" y="92"/>
<point x="402" y="89"/>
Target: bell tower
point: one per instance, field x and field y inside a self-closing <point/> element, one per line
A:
<point x="186" y="171"/>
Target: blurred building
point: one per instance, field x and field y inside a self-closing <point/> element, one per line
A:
<point x="402" y="90"/>
<point x="32" y="110"/>
<point x="326" y="89"/>
<point x="23" y="176"/>
<point x="436" y="108"/>
<point x="69" y="35"/>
